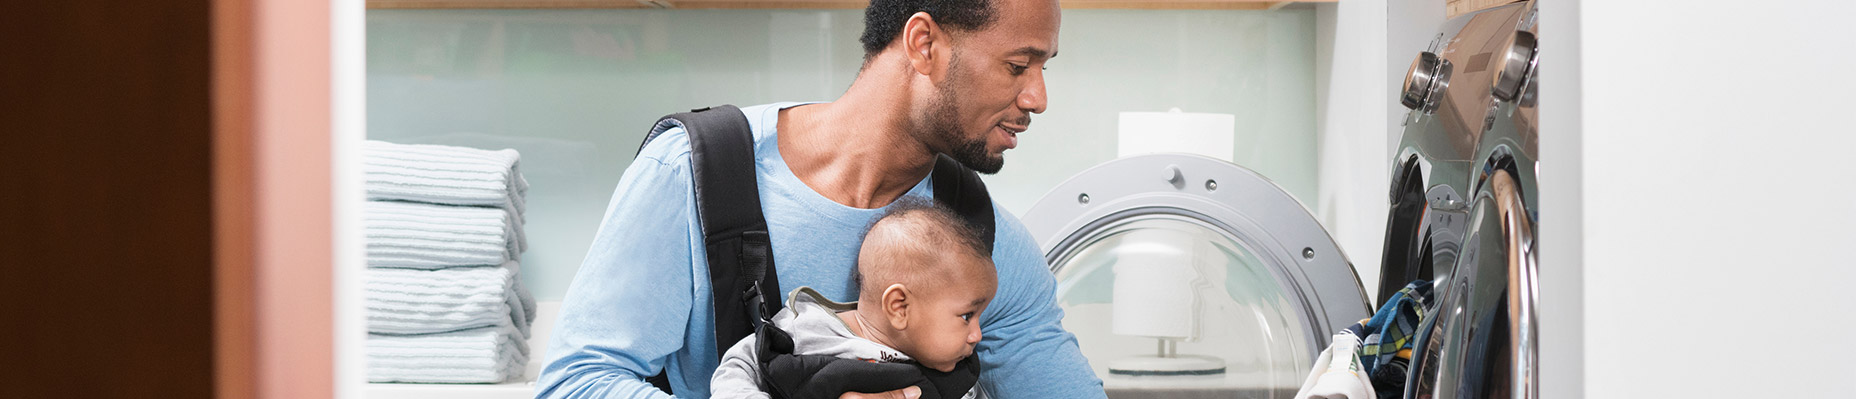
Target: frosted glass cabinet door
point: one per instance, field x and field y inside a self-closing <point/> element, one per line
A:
<point x="1201" y="250"/>
<point x="575" y="90"/>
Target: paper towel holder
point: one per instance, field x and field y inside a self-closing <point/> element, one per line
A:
<point x="1157" y="295"/>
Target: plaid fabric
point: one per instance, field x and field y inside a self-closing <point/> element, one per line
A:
<point x="1389" y="333"/>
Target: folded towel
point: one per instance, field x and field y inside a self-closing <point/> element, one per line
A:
<point x="412" y="301"/>
<point x="427" y="236"/>
<point x="445" y="175"/>
<point x="483" y="355"/>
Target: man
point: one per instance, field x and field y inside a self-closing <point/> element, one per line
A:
<point x="956" y="77"/>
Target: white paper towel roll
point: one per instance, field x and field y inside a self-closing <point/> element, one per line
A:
<point x="1211" y="135"/>
<point x="1155" y="285"/>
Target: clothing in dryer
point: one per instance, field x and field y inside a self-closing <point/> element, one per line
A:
<point x="1387" y="348"/>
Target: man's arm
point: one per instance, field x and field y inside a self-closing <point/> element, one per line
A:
<point x="628" y="306"/>
<point x="1025" y="353"/>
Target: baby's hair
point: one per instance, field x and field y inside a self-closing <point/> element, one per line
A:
<point x="906" y="245"/>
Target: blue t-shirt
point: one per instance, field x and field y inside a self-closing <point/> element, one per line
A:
<point x="641" y="300"/>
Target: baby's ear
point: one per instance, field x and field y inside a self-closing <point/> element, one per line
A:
<point x="896" y="305"/>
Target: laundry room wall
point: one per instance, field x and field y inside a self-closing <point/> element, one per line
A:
<point x="1697" y="240"/>
<point x="575" y="90"/>
<point x="1353" y="133"/>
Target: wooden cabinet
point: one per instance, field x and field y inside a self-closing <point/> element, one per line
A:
<point x="815" y="4"/>
<point x="1453" y="8"/>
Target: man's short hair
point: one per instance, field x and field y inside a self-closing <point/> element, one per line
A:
<point x="903" y="245"/>
<point x="884" y="19"/>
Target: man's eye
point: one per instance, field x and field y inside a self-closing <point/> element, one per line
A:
<point x="1018" y="69"/>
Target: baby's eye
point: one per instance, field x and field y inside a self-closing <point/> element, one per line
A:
<point x="967" y="316"/>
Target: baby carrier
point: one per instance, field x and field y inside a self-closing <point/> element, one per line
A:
<point x="746" y="289"/>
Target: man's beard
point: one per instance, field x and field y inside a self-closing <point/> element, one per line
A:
<point x="943" y="124"/>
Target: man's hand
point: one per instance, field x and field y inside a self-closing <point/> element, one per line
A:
<point x="905" y="393"/>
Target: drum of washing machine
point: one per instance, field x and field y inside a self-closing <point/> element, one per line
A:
<point x="1199" y="248"/>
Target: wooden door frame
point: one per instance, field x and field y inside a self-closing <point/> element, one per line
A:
<point x="280" y="215"/>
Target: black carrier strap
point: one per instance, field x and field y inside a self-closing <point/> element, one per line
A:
<point x="743" y="280"/>
<point x="746" y="290"/>
<point x="744" y="284"/>
<point x="960" y="189"/>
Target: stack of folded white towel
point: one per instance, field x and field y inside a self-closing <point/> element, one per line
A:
<point x="445" y="301"/>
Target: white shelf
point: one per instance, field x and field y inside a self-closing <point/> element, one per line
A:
<point x="510" y="390"/>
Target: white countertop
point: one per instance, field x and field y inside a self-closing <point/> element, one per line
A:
<point x="509" y="390"/>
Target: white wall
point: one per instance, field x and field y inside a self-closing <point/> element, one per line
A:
<point x="1562" y="294"/>
<point x="1353" y="136"/>
<point x="1713" y="142"/>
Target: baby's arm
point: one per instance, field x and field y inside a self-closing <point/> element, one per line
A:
<point x="738" y="377"/>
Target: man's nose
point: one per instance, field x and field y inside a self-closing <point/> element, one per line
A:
<point x="1032" y="99"/>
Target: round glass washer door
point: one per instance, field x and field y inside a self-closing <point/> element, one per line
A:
<point x="1216" y="259"/>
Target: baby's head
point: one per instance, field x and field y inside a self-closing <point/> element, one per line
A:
<point x="924" y="276"/>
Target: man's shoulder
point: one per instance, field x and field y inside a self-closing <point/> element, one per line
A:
<point x="1007" y="226"/>
<point x="672" y="146"/>
<point x="1024" y="277"/>
<point x="1013" y="244"/>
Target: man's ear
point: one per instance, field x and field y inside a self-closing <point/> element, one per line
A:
<point x="920" y="36"/>
<point x="896" y="306"/>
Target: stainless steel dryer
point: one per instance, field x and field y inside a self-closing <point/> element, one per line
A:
<point x="1272" y="285"/>
<point x="1463" y="208"/>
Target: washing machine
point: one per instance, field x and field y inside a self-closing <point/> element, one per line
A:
<point x="1266" y="286"/>
<point x="1463" y="208"/>
<point x="1262" y="289"/>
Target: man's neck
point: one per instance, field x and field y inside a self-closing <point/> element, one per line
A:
<point x="856" y="151"/>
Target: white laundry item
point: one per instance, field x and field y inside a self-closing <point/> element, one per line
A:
<point x="483" y="355"/>
<point x="411" y="301"/>
<point x="445" y="175"/>
<point x="1337" y="373"/>
<point x="428" y="236"/>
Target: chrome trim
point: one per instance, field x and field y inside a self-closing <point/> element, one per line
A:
<point x="1427" y="78"/>
<point x="1517" y="64"/>
<point x="1523" y="287"/>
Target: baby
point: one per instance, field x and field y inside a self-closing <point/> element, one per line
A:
<point x="924" y="276"/>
